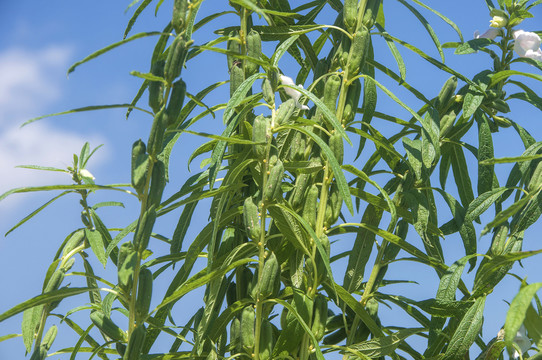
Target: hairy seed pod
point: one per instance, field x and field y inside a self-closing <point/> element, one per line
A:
<point x="254" y="49"/>
<point x="273" y="189"/>
<point x="55" y="280"/>
<point x="298" y="194"/>
<point x="75" y="241"/>
<point x="107" y="326"/>
<point x="156" y="88"/>
<point x="358" y="51"/>
<point x="371" y="12"/>
<point x="121" y="348"/>
<point x="135" y="344"/>
<point x="352" y="101"/>
<point x="144" y="229"/>
<point x="126" y="264"/>
<point x="266" y="340"/>
<point x="49" y="337"/>
<point x="247" y="329"/>
<point x="331" y="92"/>
<point x="267" y="92"/>
<point x="235" y="335"/>
<point x="251" y="219"/>
<point x="322" y="68"/>
<point x="500" y="105"/>
<point x="319" y="318"/>
<point x="340" y="58"/>
<point x="231" y="294"/>
<point x="158" y="183"/>
<point x="176" y="58"/>
<point x="335" y="337"/>
<point x="311" y="205"/>
<point x="176" y="101"/>
<point x="244" y="283"/>
<point x="446" y="94"/>
<point x="320" y="264"/>
<point x="140" y="161"/>
<point x="333" y="210"/>
<point x="144" y="294"/>
<point x="156" y="136"/>
<point x="180" y="8"/>
<point x="233" y="46"/>
<point x="285" y="112"/>
<point x="336" y="145"/>
<point x="270" y="283"/>
<point x="446" y="122"/>
<point x="261" y="133"/>
<point x="350" y="14"/>
<point x="237" y="76"/>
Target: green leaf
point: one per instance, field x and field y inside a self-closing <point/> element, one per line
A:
<point x="478" y="206"/>
<point x="385" y="345"/>
<point x="134" y="17"/>
<point x="467" y="331"/>
<point x="396" y="54"/>
<point x="475" y="94"/>
<point x="281" y="50"/>
<point x="45" y="168"/>
<point x="517" y="311"/>
<point x="513" y="159"/>
<point x="472" y="46"/>
<point x="359" y="310"/>
<point x="505" y="74"/>
<point x="510" y="211"/>
<point x="31" y="319"/>
<point x="451" y="278"/>
<point x="461" y="175"/>
<point x="96" y="243"/>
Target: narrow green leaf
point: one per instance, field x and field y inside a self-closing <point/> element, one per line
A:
<point x="478" y="206"/>
<point x="505" y="74"/>
<point x="96" y="243"/>
<point x="9" y="336"/>
<point x="517" y="311"/>
<point x="385" y="345"/>
<point x="359" y="310"/>
<point x="394" y="51"/>
<point x="134" y="17"/>
<point x="508" y="212"/>
<point x="514" y="159"/>
<point x="46" y="168"/>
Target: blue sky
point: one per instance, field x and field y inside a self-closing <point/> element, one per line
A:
<point x="42" y="39"/>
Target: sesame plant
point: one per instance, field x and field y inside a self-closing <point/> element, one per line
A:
<point x="313" y="194"/>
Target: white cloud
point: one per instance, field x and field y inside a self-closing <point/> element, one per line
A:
<point x="30" y="82"/>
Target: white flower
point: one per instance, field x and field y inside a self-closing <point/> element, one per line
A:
<point x="86" y="174"/>
<point x="491" y="33"/>
<point x="498" y="21"/>
<point x="294" y="94"/>
<point x="522" y="341"/>
<point x="527" y="44"/>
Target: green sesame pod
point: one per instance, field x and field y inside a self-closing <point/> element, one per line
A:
<point x="235" y="335"/>
<point x="371" y="12"/>
<point x="266" y="340"/>
<point x="298" y="194"/>
<point x="156" y="136"/>
<point x="158" y="183"/>
<point x="55" y="280"/>
<point x="254" y="49"/>
<point x="121" y="348"/>
<point x="156" y="88"/>
<point x="75" y="241"/>
<point x="319" y="318"/>
<point x="352" y="101"/>
<point x="358" y="51"/>
<point x="320" y="264"/>
<point x="446" y="94"/>
<point x="247" y="329"/>
<point x="336" y="145"/>
<point x="500" y="105"/>
<point x="333" y="210"/>
<point x="49" y="337"/>
<point x="270" y="283"/>
<point x="335" y="337"/>
<point x="135" y="344"/>
<point x="176" y="101"/>
<point x="233" y="46"/>
<point x="331" y="92"/>
<point x="251" y="219"/>
<point x="126" y="263"/>
<point x="144" y="294"/>
<point x="273" y="189"/>
<point x="144" y="229"/>
<point x="39" y="353"/>
<point x="350" y="14"/>
<point x="139" y="165"/>
<point x="237" y="76"/>
<point x="267" y="91"/>
<point x="311" y="204"/>
<point x="261" y="133"/>
<point x="536" y="178"/>
<point x="446" y="122"/>
<point x="322" y="67"/>
<point x="340" y="57"/>
<point x="297" y="146"/>
<point x="231" y="294"/>
<point x="245" y="279"/>
<point x="285" y="112"/>
<point x="180" y="8"/>
<point x="175" y="58"/>
<point x="107" y="326"/>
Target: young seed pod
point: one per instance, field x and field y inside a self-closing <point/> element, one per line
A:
<point x="340" y="58"/>
<point x="156" y="136"/>
<point x="266" y="340"/>
<point x="446" y="94"/>
<point x="121" y="348"/>
<point x="247" y="329"/>
<point x="176" y="101"/>
<point x="320" y="264"/>
<point x="49" y="337"/>
<point x="137" y="339"/>
<point x="331" y="92"/>
<point x="139" y="165"/>
<point x="446" y="122"/>
<point x="273" y="188"/>
<point x="231" y="294"/>
<point x="251" y="219"/>
<point x="285" y="112"/>
<point x="254" y="49"/>
<point x="352" y="101"/>
<point x="237" y="76"/>
<point x="358" y="51"/>
<point x="233" y="46"/>
<point x="335" y="202"/>
<point x="336" y="145"/>
<point x="267" y="92"/>
<point x="244" y="283"/>
<point x="144" y="294"/>
<point x="270" y="283"/>
<point x="156" y="88"/>
<point x="261" y="133"/>
<point x="75" y="241"/>
<point x="126" y="264"/>
<point x="144" y="229"/>
<point x="55" y="280"/>
<point x="322" y="67"/>
<point x="500" y="105"/>
<point x="371" y="12"/>
<point x="158" y="183"/>
<point x="350" y="14"/>
<point x="311" y="205"/>
<point x="176" y="58"/>
<point x="319" y="318"/>
<point x="107" y="326"/>
<point x="180" y="8"/>
<point x="298" y="194"/>
<point x="235" y="335"/>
